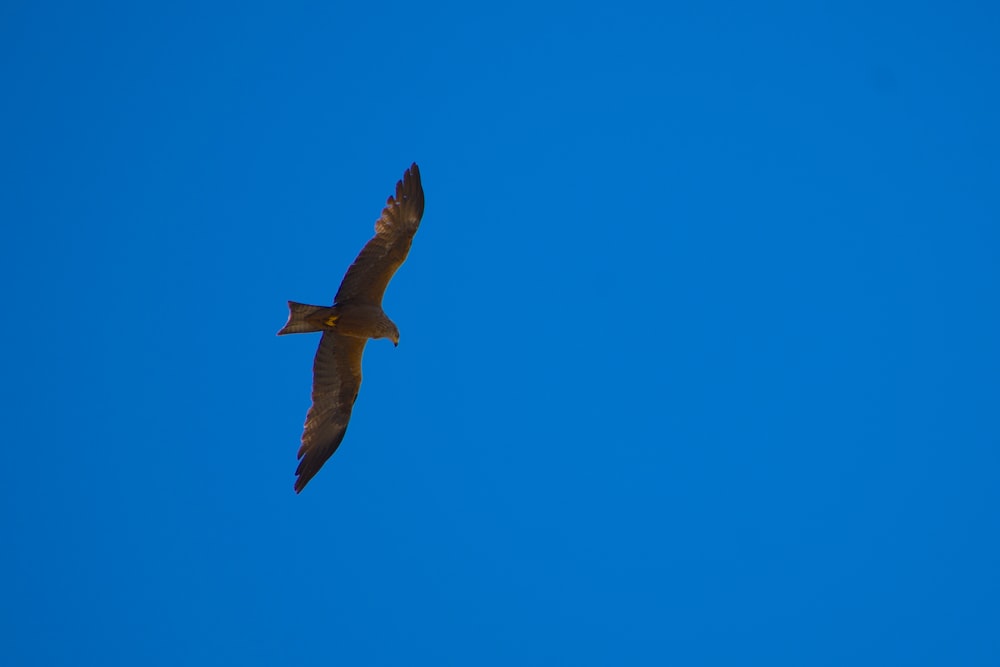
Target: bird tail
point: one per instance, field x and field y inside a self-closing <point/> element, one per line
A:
<point x="300" y="318"/>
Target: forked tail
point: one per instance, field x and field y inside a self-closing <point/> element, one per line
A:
<point x="299" y="321"/>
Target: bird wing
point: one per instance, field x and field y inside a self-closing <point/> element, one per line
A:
<point x="336" y="381"/>
<point x="368" y="276"/>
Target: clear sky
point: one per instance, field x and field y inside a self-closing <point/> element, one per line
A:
<point x="699" y="357"/>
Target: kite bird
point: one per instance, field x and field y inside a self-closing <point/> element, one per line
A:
<point x="355" y="316"/>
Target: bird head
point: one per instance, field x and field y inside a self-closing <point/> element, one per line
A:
<point x="394" y="335"/>
<point x="386" y="328"/>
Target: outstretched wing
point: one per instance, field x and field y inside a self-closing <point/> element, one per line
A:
<point x="336" y="381"/>
<point x="375" y="265"/>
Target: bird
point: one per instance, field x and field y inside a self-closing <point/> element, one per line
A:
<point x="355" y="316"/>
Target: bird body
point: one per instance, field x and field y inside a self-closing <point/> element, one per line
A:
<point x="359" y="320"/>
<point x="355" y="316"/>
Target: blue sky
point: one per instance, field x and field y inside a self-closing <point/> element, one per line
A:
<point x="698" y="358"/>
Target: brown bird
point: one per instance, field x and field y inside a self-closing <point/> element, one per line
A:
<point x="355" y="316"/>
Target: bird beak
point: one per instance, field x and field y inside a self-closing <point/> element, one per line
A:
<point x="395" y="343"/>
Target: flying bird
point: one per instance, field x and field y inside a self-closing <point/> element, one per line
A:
<point x="355" y="316"/>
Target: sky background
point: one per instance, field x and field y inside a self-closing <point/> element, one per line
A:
<point x="699" y="357"/>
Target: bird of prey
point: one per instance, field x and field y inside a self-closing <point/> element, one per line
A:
<point x="355" y="316"/>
